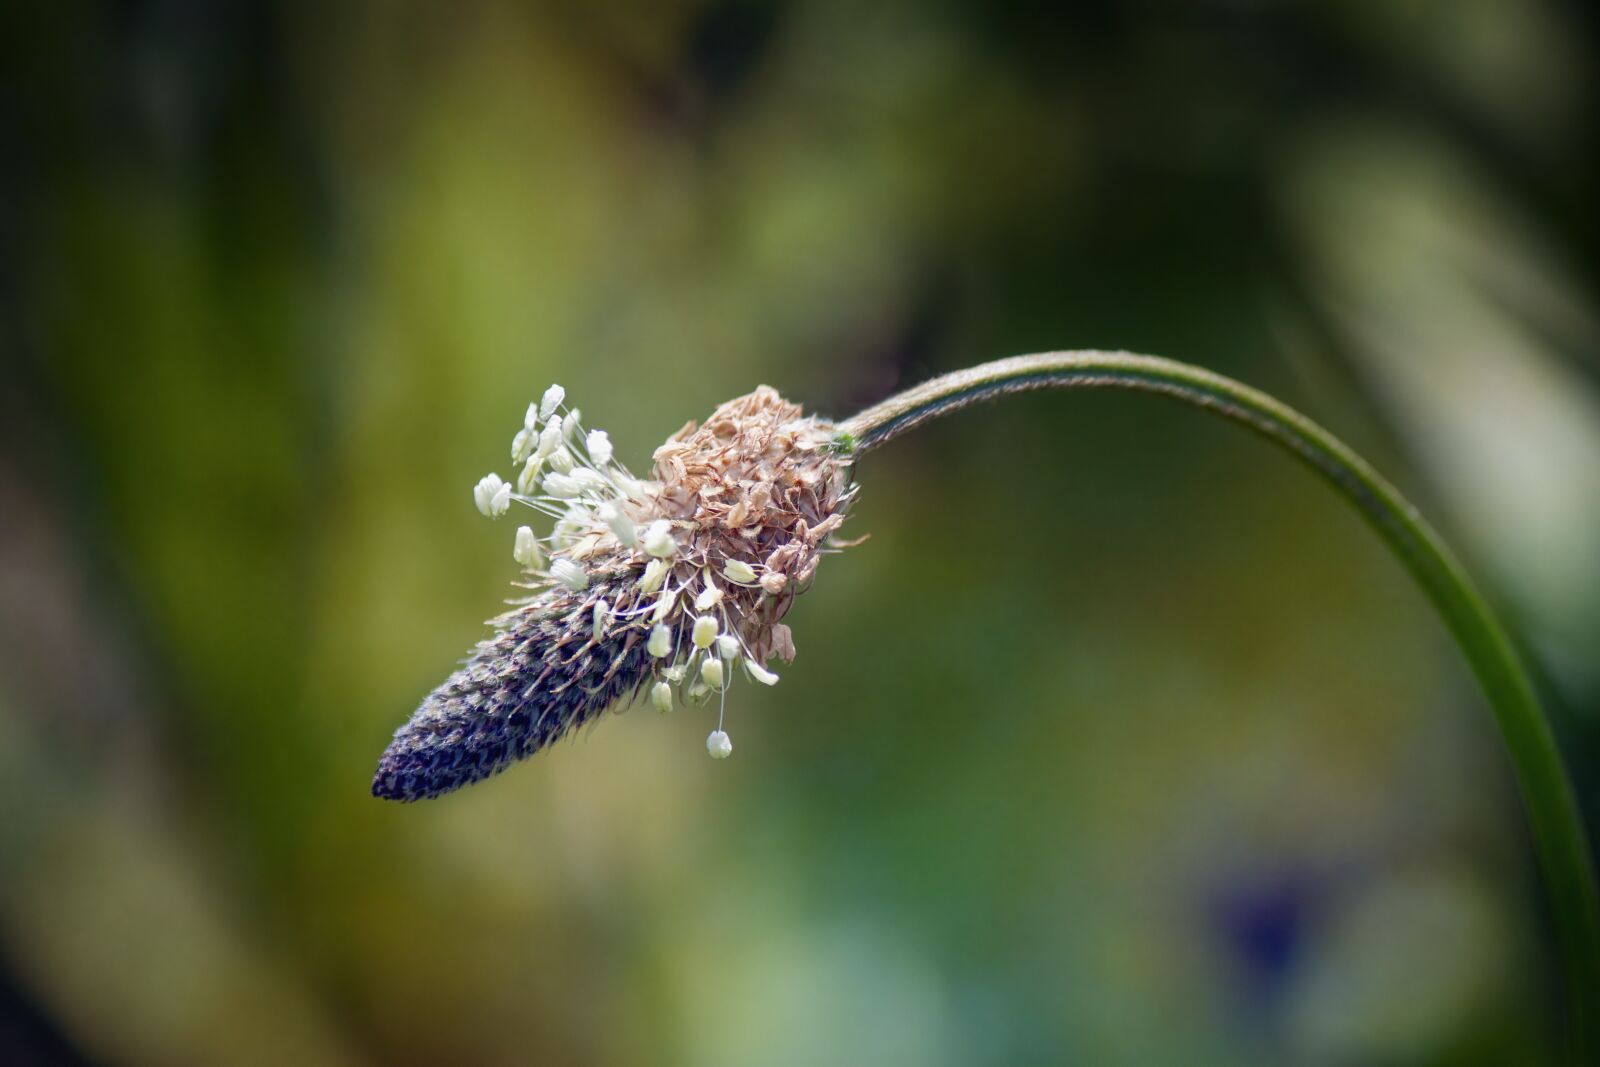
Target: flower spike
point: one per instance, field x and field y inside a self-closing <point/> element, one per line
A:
<point x="661" y="586"/>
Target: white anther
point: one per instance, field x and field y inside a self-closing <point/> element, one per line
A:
<point x="658" y="540"/>
<point x="760" y="673"/>
<point x="492" y="495"/>
<point x="711" y="671"/>
<point x="705" y="631"/>
<point x="562" y="486"/>
<point x="591" y="479"/>
<point x="569" y="574"/>
<point x="620" y="524"/>
<point x="561" y="461"/>
<point x="602" y="616"/>
<point x="522" y="445"/>
<point x="549" y="440"/>
<point x="551" y="400"/>
<point x="709" y="598"/>
<point x="528" y="480"/>
<point x="664" y="605"/>
<point x="661" y="697"/>
<point x="719" y="745"/>
<point x="569" y="425"/>
<point x="526" y="549"/>
<point x="655" y="572"/>
<point x="599" y="445"/>
<point x="739" y="571"/>
<point x="728" y="646"/>
<point x="660" y="643"/>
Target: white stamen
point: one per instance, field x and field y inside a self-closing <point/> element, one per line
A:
<point x="658" y="540"/>
<point x="549" y="440"/>
<point x="522" y="445"/>
<point x="570" y="526"/>
<point x="530" y="421"/>
<point x="705" y="631"/>
<point x="528" y="480"/>
<point x="673" y="673"/>
<point x="661" y="697"/>
<point x="526" y="549"/>
<point x="760" y="673"/>
<point x="551" y="400"/>
<point x="711" y="671"/>
<point x="602" y="615"/>
<point x="569" y="425"/>
<point x="591" y="479"/>
<point x="599" y="445"/>
<point x="492" y="495"/>
<point x="655" y="572"/>
<point x="561" y="461"/>
<point x="569" y="574"/>
<point x="709" y="598"/>
<point x="660" y="643"/>
<point x="562" y="486"/>
<point x="728" y="646"/>
<point x="664" y="605"/>
<point x="739" y="571"/>
<point x="719" y="745"/>
<point x="620" y="524"/>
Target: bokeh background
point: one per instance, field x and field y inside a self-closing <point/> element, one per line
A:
<point x="1121" y="740"/>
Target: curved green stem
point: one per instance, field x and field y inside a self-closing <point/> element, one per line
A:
<point x="1551" y="809"/>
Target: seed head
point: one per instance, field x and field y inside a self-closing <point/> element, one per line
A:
<point x="664" y="584"/>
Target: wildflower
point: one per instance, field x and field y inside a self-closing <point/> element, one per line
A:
<point x="655" y="586"/>
<point x="492" y="496"/>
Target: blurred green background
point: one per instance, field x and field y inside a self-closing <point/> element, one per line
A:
<point x="1121" y="741"/>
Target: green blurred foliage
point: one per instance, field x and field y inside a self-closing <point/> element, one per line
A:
<point x="1119" y="741"/>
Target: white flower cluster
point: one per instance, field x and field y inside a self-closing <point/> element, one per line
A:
<point x="598" y="507"/>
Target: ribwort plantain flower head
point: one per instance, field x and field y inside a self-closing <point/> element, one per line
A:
<point x="671" y="585"/>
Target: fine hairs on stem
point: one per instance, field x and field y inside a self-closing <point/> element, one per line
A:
<point x="1547" y="795"/>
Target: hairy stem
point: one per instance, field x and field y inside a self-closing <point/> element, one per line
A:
<point x="1552" y="812"/>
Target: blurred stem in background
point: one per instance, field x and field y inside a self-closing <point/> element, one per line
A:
<point x="1547" y="794"/>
